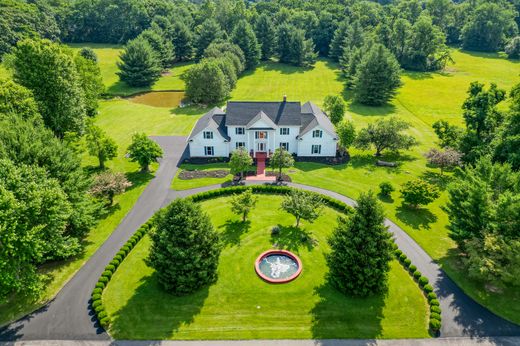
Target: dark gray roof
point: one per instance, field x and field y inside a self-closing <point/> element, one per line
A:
<point x="218" y="116"/>
<point x="281" y="113"/>
<point x="313" y="116"/>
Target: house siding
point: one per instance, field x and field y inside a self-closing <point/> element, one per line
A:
<point x="327" y="142"/>
<point x="219" y="144"/>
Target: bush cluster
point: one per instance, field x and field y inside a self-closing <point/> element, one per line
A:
<point x="268" y="189"/>
<point x="97" y="292"/>
<point x="435" y="310"/>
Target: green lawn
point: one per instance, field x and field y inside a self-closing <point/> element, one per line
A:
<point x="241" y="306"/>
<point x="108" y="55"/>
<point x="180" y="184"/>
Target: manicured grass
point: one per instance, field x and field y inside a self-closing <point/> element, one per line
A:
<point x="180" y="184"/>
<point x="241" y="306"/>
<point x="108" y="55"/>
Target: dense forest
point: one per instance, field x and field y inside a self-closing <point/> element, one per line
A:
<point x="47" y="200"/>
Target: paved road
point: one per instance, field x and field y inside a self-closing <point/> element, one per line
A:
<point x="67" y="317"/>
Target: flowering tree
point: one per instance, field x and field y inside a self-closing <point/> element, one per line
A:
<point x="448" y="158"/>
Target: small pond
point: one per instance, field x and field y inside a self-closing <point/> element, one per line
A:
<point x="165" y="99"/>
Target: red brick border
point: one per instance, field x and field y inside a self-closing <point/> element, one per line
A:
<point x="278" y="252"/>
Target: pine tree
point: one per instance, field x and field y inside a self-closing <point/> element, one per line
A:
<point x="377" y="77"/>
<point x="162" y="47"/>
<point x="207" y="32"/>
<point x="284" y="42"/>
<point x="182" y="41"/>
<point x="266" y="35"/>
<point x="244" y="37"/>
<point x="338" y="41"/>
<point x="185" y="248"/>
<point x="139" y="64"/>
<point x="361" y="250"/>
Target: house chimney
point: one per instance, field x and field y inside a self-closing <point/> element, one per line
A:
<point x="284" y="98"/>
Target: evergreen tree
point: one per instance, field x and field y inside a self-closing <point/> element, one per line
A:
<point x="139" y="64"/>
<point x="266" y="35"/>
<point x="89" y="54"/>
<point x="182" y="41"/>
<point x="48" y="70"/>
<point x="302" y="50"/>
<point x="206" y="33"/>
<point x="206" y="83"/>
<point x="185" y="248"/>
<point x="244" y="37"/>
<point x="338" y="41"/>
<point x="377" y="77"/>
<point x="163" y="48"/>
<point x="361" y="250"/>
<point x="284" y="42"/>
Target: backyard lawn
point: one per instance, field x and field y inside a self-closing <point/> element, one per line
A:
<point x="241" y="306"/>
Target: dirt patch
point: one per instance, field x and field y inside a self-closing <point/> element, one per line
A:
<point x="218" y="173"/>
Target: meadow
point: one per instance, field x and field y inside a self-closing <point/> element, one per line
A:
<point x="242" y="306"/>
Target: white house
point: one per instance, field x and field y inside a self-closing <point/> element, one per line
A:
<point x="261" y="127"/>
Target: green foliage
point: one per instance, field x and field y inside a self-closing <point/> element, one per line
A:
<point x="99" y="144"/>
<point x="508" y="139"/>
<point x="346" y="132"/>
<point x="429" y="289"/>
<point x="49" y="71"/>
<point x="449" y="135"/>
<point x="185" y="248"/>
<point x="303" y="205"/>
<point x="244" y="37"/>
<point x="435" y="325"/>
<point x="335" y="108"/>
<point x="513" y="48"/>
<point x="487" y="27"/>
<point x="240" y="162"/>
<point x="266" y="34"/>
<point x="144" y="151"/>
<point x="386" y="188"/>
<point x="435" y="308"/>
<point x="182" y="41"/>
<point x="423" y="280"/>
<point x="294" y="48"/>
<point x="385" y="134"/>
<point x="417" y="274"/>
<point x="224" y="49"/>
<point x="162" y="47"/>
<point x="243" y="203"/>
<point x="377" y="77"/>
<point x="418" y="192"/>
<point x="448" y="158"/>
<point x="18" y="100"/>
<point x="361" y="250"/>
<point x="108" y="184"/>
<point x="139" y="65"/>
<point x="206" y="83"/>
<point x="89" y="54"/>
<point x="90" y="79"/>
<point x="206" y="33"/>
<point x="281" y="159"/>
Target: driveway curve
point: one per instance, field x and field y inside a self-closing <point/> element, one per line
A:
<point x="67" y="316"/>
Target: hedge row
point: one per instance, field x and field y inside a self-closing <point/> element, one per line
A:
<point x="435" y="310"/>
<point x="269" y="189"/>
<point x="97" y="292"/>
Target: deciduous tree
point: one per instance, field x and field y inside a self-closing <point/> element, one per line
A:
<point x="418" y="192"/>
<point x="385" y="134"/>
<point x="346" y="134"/>
<point x="240" y="162"/>
<point x="108" y="184"/>
<point x="281" y="159"/>
<point x="206" y="83"/>
<point x="335" y="108"/>
<point x="144" y="151"/>
<point x="446" y="159"/>
<point x="100" y="145"/>
<point x="243" y="203"/>
<point x="303" y="205"/>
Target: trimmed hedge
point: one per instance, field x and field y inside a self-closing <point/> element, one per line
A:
<point x="417" y="274"/>
<point x="97" y="292"/>
<point x="434" y="302"/>
<point x="423" y="280"/>
<point x="435" y="325"/>
<point x="435" y="308"/>
<point x="407" y="262"/>
<point x="428" y="288"/>
<point x="412" y="268"/>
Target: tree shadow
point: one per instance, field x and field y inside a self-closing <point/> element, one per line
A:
<point x="153" y="314"/>
<point x="434" y="178"/>
<point x="364" y="110"/>
<point x="385" y="199"/>
<point x="292" y="238"/>
<point x="191" y="110"/>
<point x="138" y="179"/>
<point x="336" y="316"/>
<point x="282" y="68"/>
<point x="233" y="230"/>
<point x="416" y="218"/>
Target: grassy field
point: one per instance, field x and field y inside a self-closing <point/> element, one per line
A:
<point x="241" y="306"/>
<point x="108" y="56"/>
<point x="180" y="184"/>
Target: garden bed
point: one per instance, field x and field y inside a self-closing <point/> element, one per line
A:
<point x="196" y="174"/>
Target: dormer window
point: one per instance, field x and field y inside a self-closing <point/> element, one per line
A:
<point x="208" y="135"/>
<point x="284" y="131"/>
<point x="317" y="133"/>
<point x="240" y="131"/>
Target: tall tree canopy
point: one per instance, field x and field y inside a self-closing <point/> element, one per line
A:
<point x="140" y="64"/>
<point x="244" y="37"/>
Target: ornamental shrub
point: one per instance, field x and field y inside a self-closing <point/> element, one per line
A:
<point x="407" y="262"/>
<point x="97" y="290"/>
<point x="104" y="322"/>
<point x="434" y="302"/>
<point x="184" y="238"/>
<point x="402" y="257"/>
<point x="398" y="253"/>
<point x="110" y="268"/>
<point x="412" y="269"/>
<point x="103" y="279"/>
<point x="96" y="296"/>
<point x="386" y="188"/>
<point x="428" y="288"/>
<point x="107" y="274"/>
<point x="96" y="303"/>
<point x="435" y="308"/>
<point x="417" y="275"/>
<point x="435" y="316"/>
<point x="435" y="325"/>
<point x="101" y="315"/>
<point x="99" y="308"/>
<point x="423" y="280"/>
<point x="115" y="262"/>
<point x="431" y="296"/>
<point x="100" y="285"/>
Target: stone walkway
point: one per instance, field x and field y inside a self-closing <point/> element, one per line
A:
<point x="67" y="316"/>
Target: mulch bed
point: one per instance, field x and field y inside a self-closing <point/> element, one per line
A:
<point x="218" y="173"/>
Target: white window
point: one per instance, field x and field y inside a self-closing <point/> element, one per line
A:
<point x="240" y="131"/>
<point x="316" y="149"/>
<point x="317" y="133"/>
<point x="240" y="145"/>
<point x="209" y="151"/>
<point x="284" y="145"/>
<point x="261" y="134"/>
<point x="208" y="135"/>
<point x="284" y="131"/>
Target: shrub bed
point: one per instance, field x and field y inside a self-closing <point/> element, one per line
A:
<point x="435" y="311"/>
